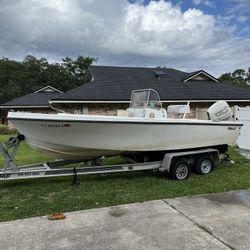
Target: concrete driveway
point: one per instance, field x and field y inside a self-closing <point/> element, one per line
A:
<point x="245" y="152"/>
<point x="214" y="221"/>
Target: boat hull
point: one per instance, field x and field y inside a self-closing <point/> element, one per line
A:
<point x="86" y="137"/>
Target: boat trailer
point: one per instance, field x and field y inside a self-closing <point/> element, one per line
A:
<point x="178" y="164"/>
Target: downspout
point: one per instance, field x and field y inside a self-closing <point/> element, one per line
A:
<point x="188" y="104"/>
<point x="56" y="109"/>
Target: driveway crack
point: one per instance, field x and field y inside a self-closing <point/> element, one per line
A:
<point x="205" y="229"/>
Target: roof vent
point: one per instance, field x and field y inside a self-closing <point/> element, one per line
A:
<point x="159" y="74"/>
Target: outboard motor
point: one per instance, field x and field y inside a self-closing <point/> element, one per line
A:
<point x="219" y="111"/>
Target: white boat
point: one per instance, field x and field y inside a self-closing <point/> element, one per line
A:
<point x="146" y="129"/>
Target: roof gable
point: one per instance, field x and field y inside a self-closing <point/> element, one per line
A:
<point x="200" y="75"/>
<point x="48" y="88"/>
<point x="38" y="99"/>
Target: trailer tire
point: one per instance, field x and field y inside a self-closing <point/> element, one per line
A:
<point x="204" y="165"/>
<point x="180" y="170"/>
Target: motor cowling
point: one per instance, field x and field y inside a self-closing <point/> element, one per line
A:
<point x="219" y="111"/>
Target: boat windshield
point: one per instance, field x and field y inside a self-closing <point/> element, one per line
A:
<point x="145" y="98"/>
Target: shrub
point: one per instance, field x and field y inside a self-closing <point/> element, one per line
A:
<point x="5" y="130"/>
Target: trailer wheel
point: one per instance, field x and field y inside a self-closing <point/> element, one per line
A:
<point x="21" y="137"/>
<point x="204" y="165"/>
<point x="180" y="170"/>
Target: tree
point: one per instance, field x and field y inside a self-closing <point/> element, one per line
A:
<point x="239" y="77"/>
<point x="31" y="74"/>
<point x="9" y="74"/>
<point x="77" y="69"/>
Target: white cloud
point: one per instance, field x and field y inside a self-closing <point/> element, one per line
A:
<point x="196" y="2"/>
<point x="160" y="29"/>
<point x="207" y="3"/>
<point x="120" y="33"/>
<point x="242" y="18"/>
<point x="239" y="6"/>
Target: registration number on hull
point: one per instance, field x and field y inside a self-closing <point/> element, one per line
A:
<point x="55" y="125"/>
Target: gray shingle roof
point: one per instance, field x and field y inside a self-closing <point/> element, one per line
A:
<point x="37" y="99"/>
<point x="116" y="84"/>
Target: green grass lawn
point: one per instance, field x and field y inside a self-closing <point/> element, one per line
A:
<point x="35" y="197"/>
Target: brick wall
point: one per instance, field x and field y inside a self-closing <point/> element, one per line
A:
<point x="111" y="109"/>
<point x="32" y="110"/>
<point x="105" y="109"/>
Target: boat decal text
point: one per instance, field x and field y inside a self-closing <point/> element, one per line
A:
<point x="55" y="125"/>
<point x="4" y="176"/>
<point x="29" y="174"/>
<point x="231" y="128"/>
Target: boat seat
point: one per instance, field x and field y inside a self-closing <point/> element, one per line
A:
<point x="178" y="111"/>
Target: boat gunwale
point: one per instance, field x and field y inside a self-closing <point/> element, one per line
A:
<point x="143" y="122"/>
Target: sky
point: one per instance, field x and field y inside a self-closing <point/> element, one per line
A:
<point x="189" y="35"/>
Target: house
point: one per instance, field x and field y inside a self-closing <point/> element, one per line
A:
<point x="110" y="90"/>
<point x="34" y="102"/>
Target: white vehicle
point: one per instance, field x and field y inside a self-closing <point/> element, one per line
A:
<point x="145" y="131"/>
<point x="146" y="136"/>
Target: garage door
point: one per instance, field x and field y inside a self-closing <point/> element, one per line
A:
<point x="243" y="116"/>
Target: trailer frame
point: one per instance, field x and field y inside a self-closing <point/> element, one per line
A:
<point x="48" y="169"/>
